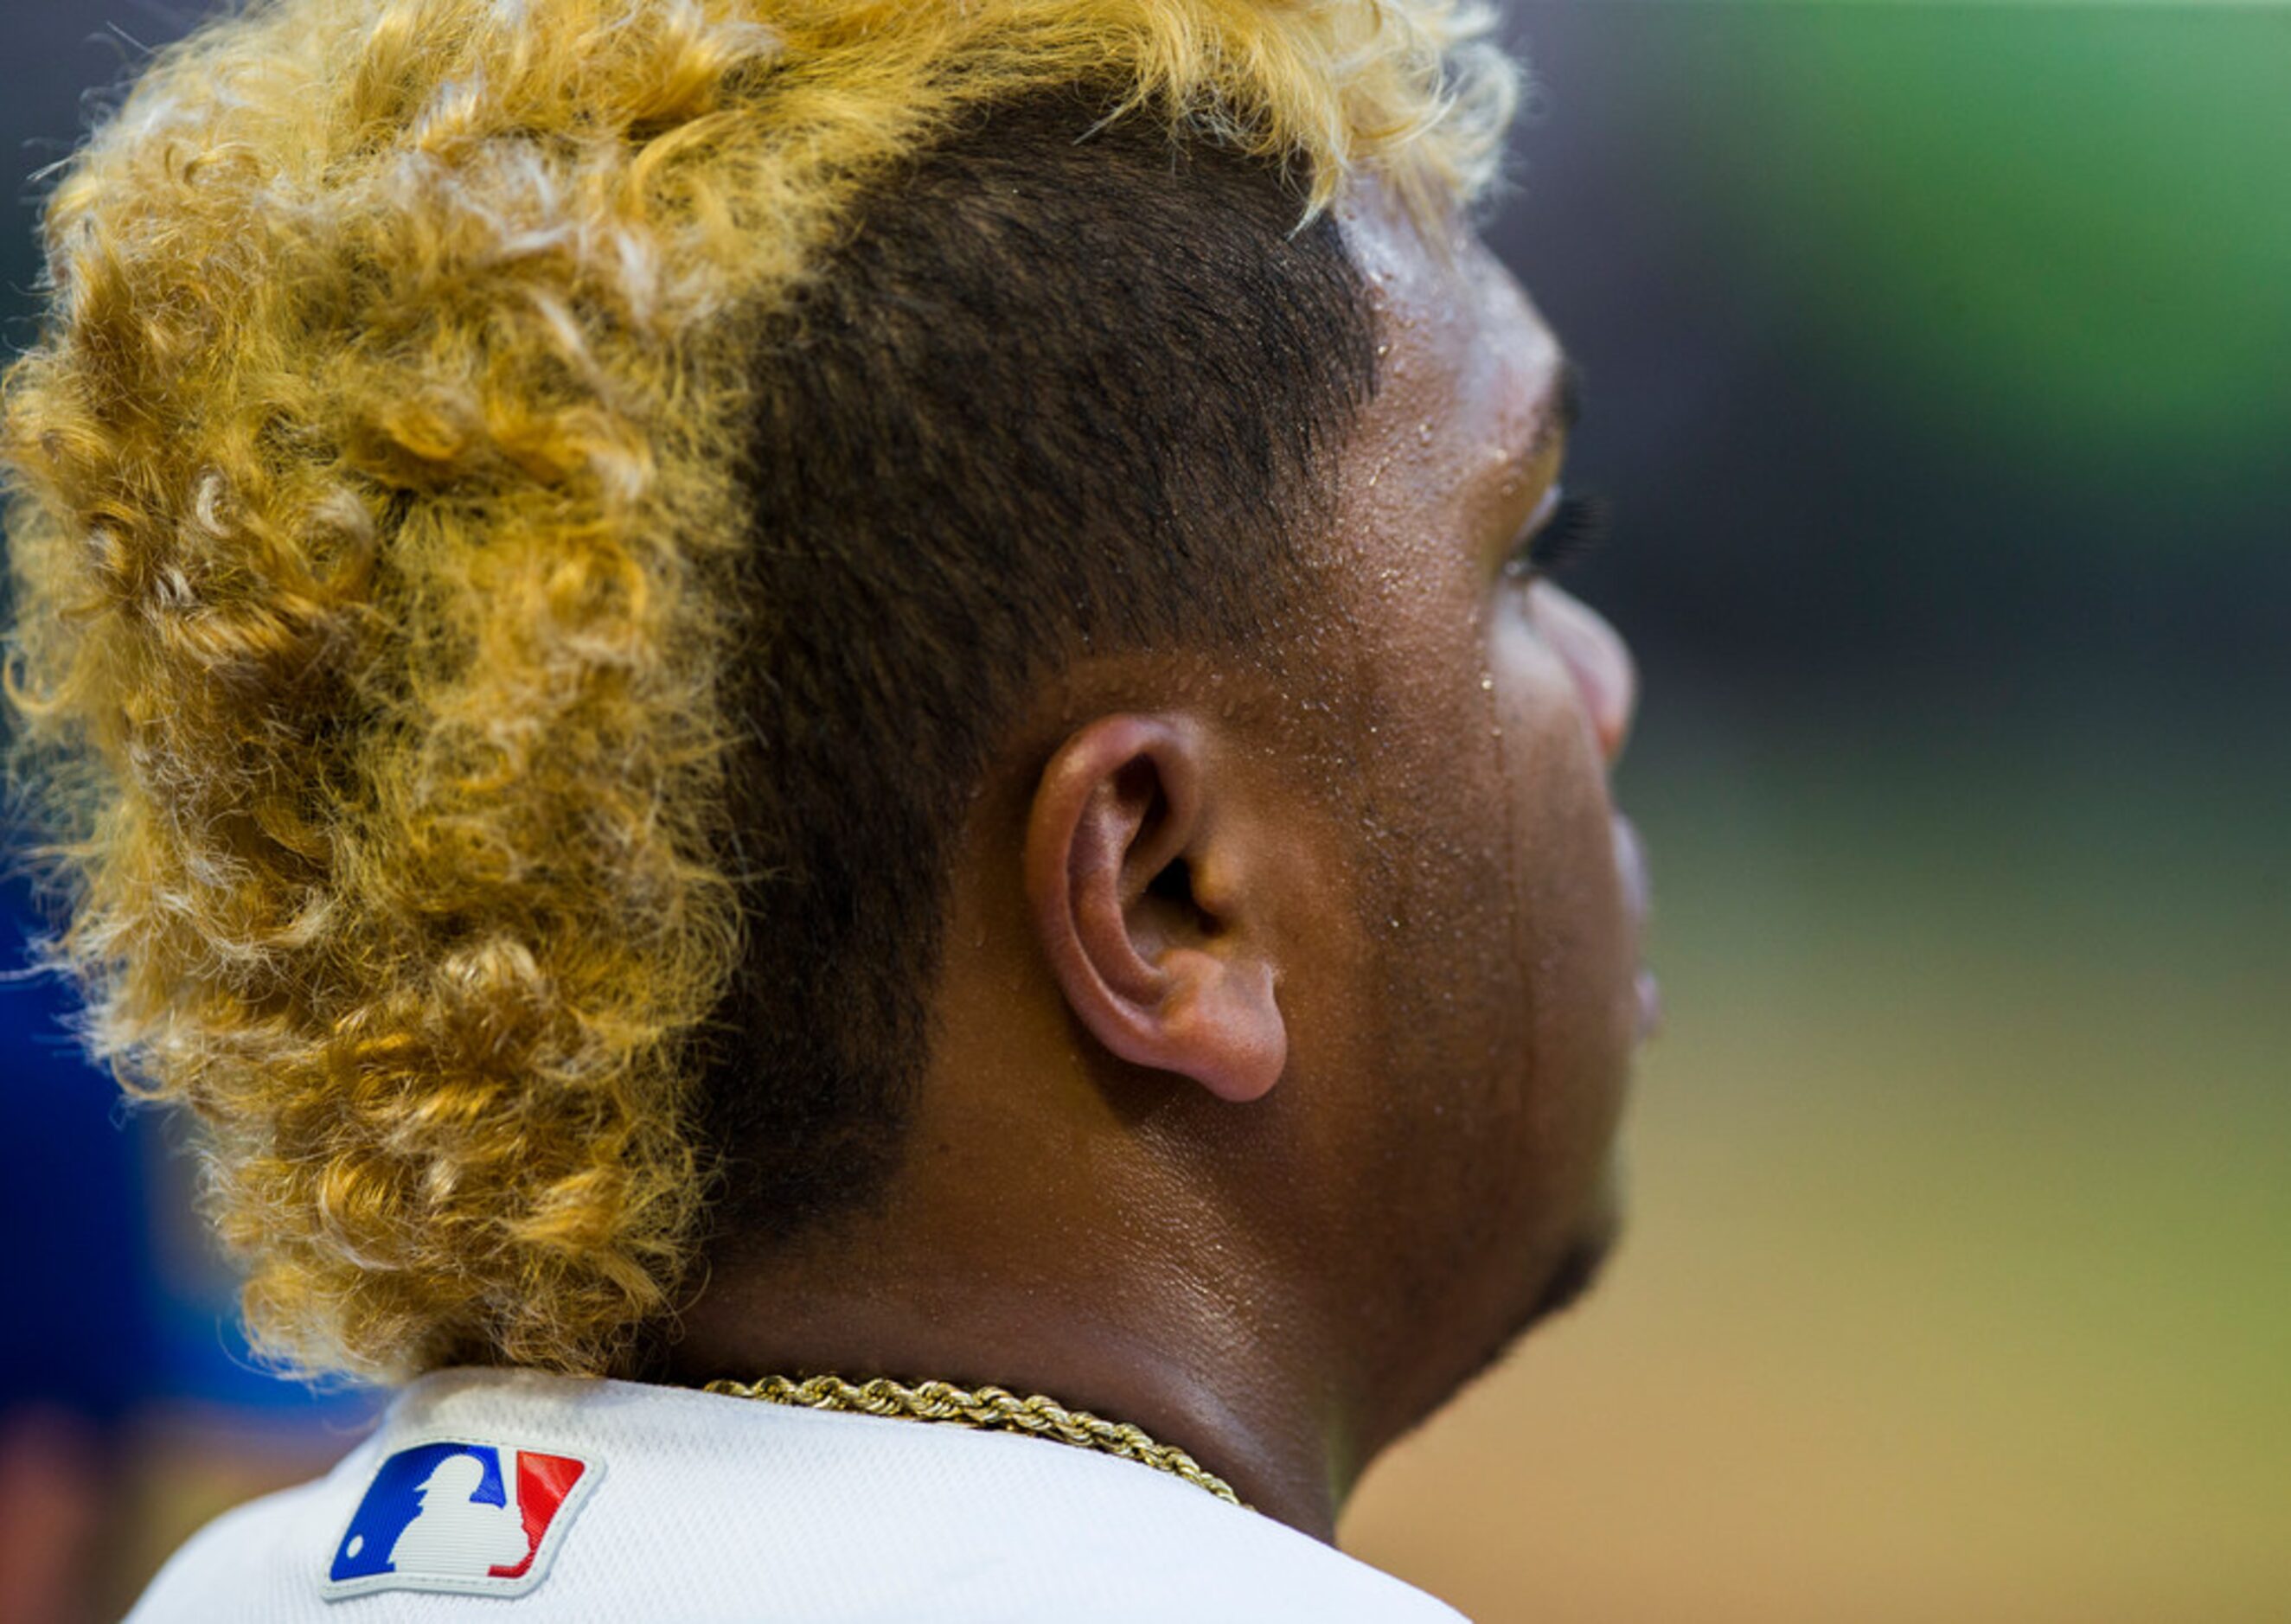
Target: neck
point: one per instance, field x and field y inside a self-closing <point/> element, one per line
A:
<point x="1168" y="1353"/>
<point x="1042" y="1236"/>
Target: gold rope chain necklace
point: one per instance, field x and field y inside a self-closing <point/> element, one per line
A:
<point x="940" y="1401"/>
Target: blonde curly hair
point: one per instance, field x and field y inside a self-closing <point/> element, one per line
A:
<point x="371" y="510"/>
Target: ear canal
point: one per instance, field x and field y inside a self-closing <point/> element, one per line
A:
<point x="1174" y="883"/>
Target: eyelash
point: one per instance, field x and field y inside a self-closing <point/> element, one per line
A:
<point x="1574" y="530"/>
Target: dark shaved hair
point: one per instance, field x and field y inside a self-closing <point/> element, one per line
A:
<point x="1050" y="396"/>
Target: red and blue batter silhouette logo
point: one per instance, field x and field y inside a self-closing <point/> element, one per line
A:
<point x="483" y="1519"/>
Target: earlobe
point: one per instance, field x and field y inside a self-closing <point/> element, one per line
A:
<point x="1163" y="975"/>
<point x="1227" y="1016"/>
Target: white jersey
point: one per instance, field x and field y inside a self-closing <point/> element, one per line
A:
<point x="504" y="1495"/>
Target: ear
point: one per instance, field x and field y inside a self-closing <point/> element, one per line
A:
<point x="1138" y="881"/>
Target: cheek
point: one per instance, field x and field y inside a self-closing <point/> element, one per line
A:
<point x="1567" y="918"/>
<point x="1492" y="1059"/>
<point x="1505" y="823"/>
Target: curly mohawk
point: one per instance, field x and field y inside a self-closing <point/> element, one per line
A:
<point x="373" y="512"/>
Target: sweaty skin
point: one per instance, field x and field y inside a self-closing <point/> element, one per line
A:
<point x="1285" y="1022"/>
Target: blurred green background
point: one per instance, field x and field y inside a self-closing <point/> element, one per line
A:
<point x="1939" y="366"/>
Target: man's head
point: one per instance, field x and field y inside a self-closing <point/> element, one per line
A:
<point x="454" y="1481"/>
<point x="739" y="629"/>
<point x="1294" y="981"/>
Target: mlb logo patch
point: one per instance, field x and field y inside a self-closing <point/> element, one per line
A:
<point x="459" y="1514"/>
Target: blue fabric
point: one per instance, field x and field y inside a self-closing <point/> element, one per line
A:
<point x="76" y="1273"/>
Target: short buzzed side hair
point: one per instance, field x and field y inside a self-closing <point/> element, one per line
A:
<point x="1054" y="396"/>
